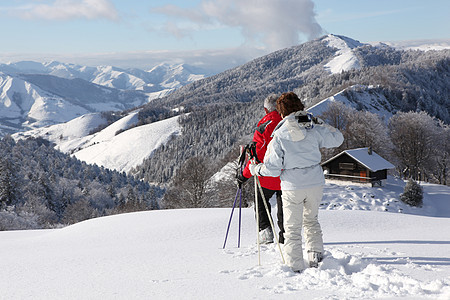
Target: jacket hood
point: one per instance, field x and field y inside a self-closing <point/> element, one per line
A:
<point x="290" y="128"/>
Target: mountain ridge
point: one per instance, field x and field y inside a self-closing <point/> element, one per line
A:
<point x="148" y="81"/>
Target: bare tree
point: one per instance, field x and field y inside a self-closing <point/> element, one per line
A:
<point x="189" y="184"/>
<point x="79" y="211"/>
<point x="337" y="115"/>
<point x="413" y="135"/>
<point x="442" y="158"/>
<point x="366" y="129"/>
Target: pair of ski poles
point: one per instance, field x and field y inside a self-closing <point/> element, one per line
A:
<point x="251" y="149"/>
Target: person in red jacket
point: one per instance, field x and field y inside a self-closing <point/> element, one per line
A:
<point x="270" y="185"/>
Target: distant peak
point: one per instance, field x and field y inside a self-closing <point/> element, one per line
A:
<point x="341" y="42"/>
<point x="52" y="63"/>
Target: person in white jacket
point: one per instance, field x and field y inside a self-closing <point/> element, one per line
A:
<point x="294" y="155"/>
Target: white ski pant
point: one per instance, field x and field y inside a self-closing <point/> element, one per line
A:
<point x="301" y="208"/>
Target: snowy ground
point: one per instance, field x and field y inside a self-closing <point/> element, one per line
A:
<point x="177" y="254"/>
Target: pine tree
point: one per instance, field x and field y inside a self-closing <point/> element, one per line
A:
<point x="8" y="184"/>
<point x="412" y="194"/>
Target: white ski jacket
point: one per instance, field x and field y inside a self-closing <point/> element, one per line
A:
<point x="293" y="154"/>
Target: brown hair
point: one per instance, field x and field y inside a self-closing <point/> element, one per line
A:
<point x="288" y="103"/>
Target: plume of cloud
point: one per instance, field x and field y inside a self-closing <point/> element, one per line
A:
<point x="274" y="23"/>
<point x="71" y="9"/>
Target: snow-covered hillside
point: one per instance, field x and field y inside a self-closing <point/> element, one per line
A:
<point x="177" y="254"/>
<point x="368" y="99"/>
<point x="345" y="59"/>
<point x="128" y="149"/>
<point x="107" y="148"/>
<point x="63" y="132"/>
<point x="308" y="69"/>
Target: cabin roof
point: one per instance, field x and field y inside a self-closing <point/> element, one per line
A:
<point x="373" y="161"/>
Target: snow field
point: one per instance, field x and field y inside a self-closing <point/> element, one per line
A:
<point x="346" y="196"/>
<point x="361" y="261"/>
<point x="178" y="254"/>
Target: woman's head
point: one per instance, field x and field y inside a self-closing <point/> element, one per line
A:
<point x="288" y="103"/>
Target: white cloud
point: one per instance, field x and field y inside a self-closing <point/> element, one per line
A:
<point x="274" y="23"/>
<point x="71" y="9"/>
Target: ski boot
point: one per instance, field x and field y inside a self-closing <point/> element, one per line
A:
<point x="314" y="258"/>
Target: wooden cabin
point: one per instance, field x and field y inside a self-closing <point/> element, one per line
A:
<point x="358" y="166"/>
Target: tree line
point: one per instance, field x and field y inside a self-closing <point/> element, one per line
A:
<point x="41" y="187"/>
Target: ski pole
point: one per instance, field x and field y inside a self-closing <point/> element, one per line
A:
<point x="269" y="215"/>
<point x="240" y="206"/>
<point x="257" y="220"/>
<point x="231" y="216"/>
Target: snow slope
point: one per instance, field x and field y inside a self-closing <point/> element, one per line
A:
<point x="128" y="149"/>
<point x="344" y="59"/>
<point x="367" y="99"/>
<point x="76" y="128"/>
<point x="106" y="148"/>
<point x="177" y="254"/>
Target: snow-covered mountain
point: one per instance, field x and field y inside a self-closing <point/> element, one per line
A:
<point x="162" y="78"/>
<point x="345" y="59"/>
<point x="34" y="100"/>
<point x="178" y="254"/>
<point x="34" y="95"/>
<point x="316" y="70"/>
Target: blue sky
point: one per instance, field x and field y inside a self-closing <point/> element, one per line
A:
<point x="121" y="29"/>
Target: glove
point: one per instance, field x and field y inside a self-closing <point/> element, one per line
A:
<point x="254" y="169"/>
<point x="317" y="121"/>
<point x="241" y="179"/>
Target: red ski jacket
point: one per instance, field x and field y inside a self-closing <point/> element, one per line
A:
<point x="262" y="137"/>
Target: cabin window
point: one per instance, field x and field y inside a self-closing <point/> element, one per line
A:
<point x="347" y="166"/>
